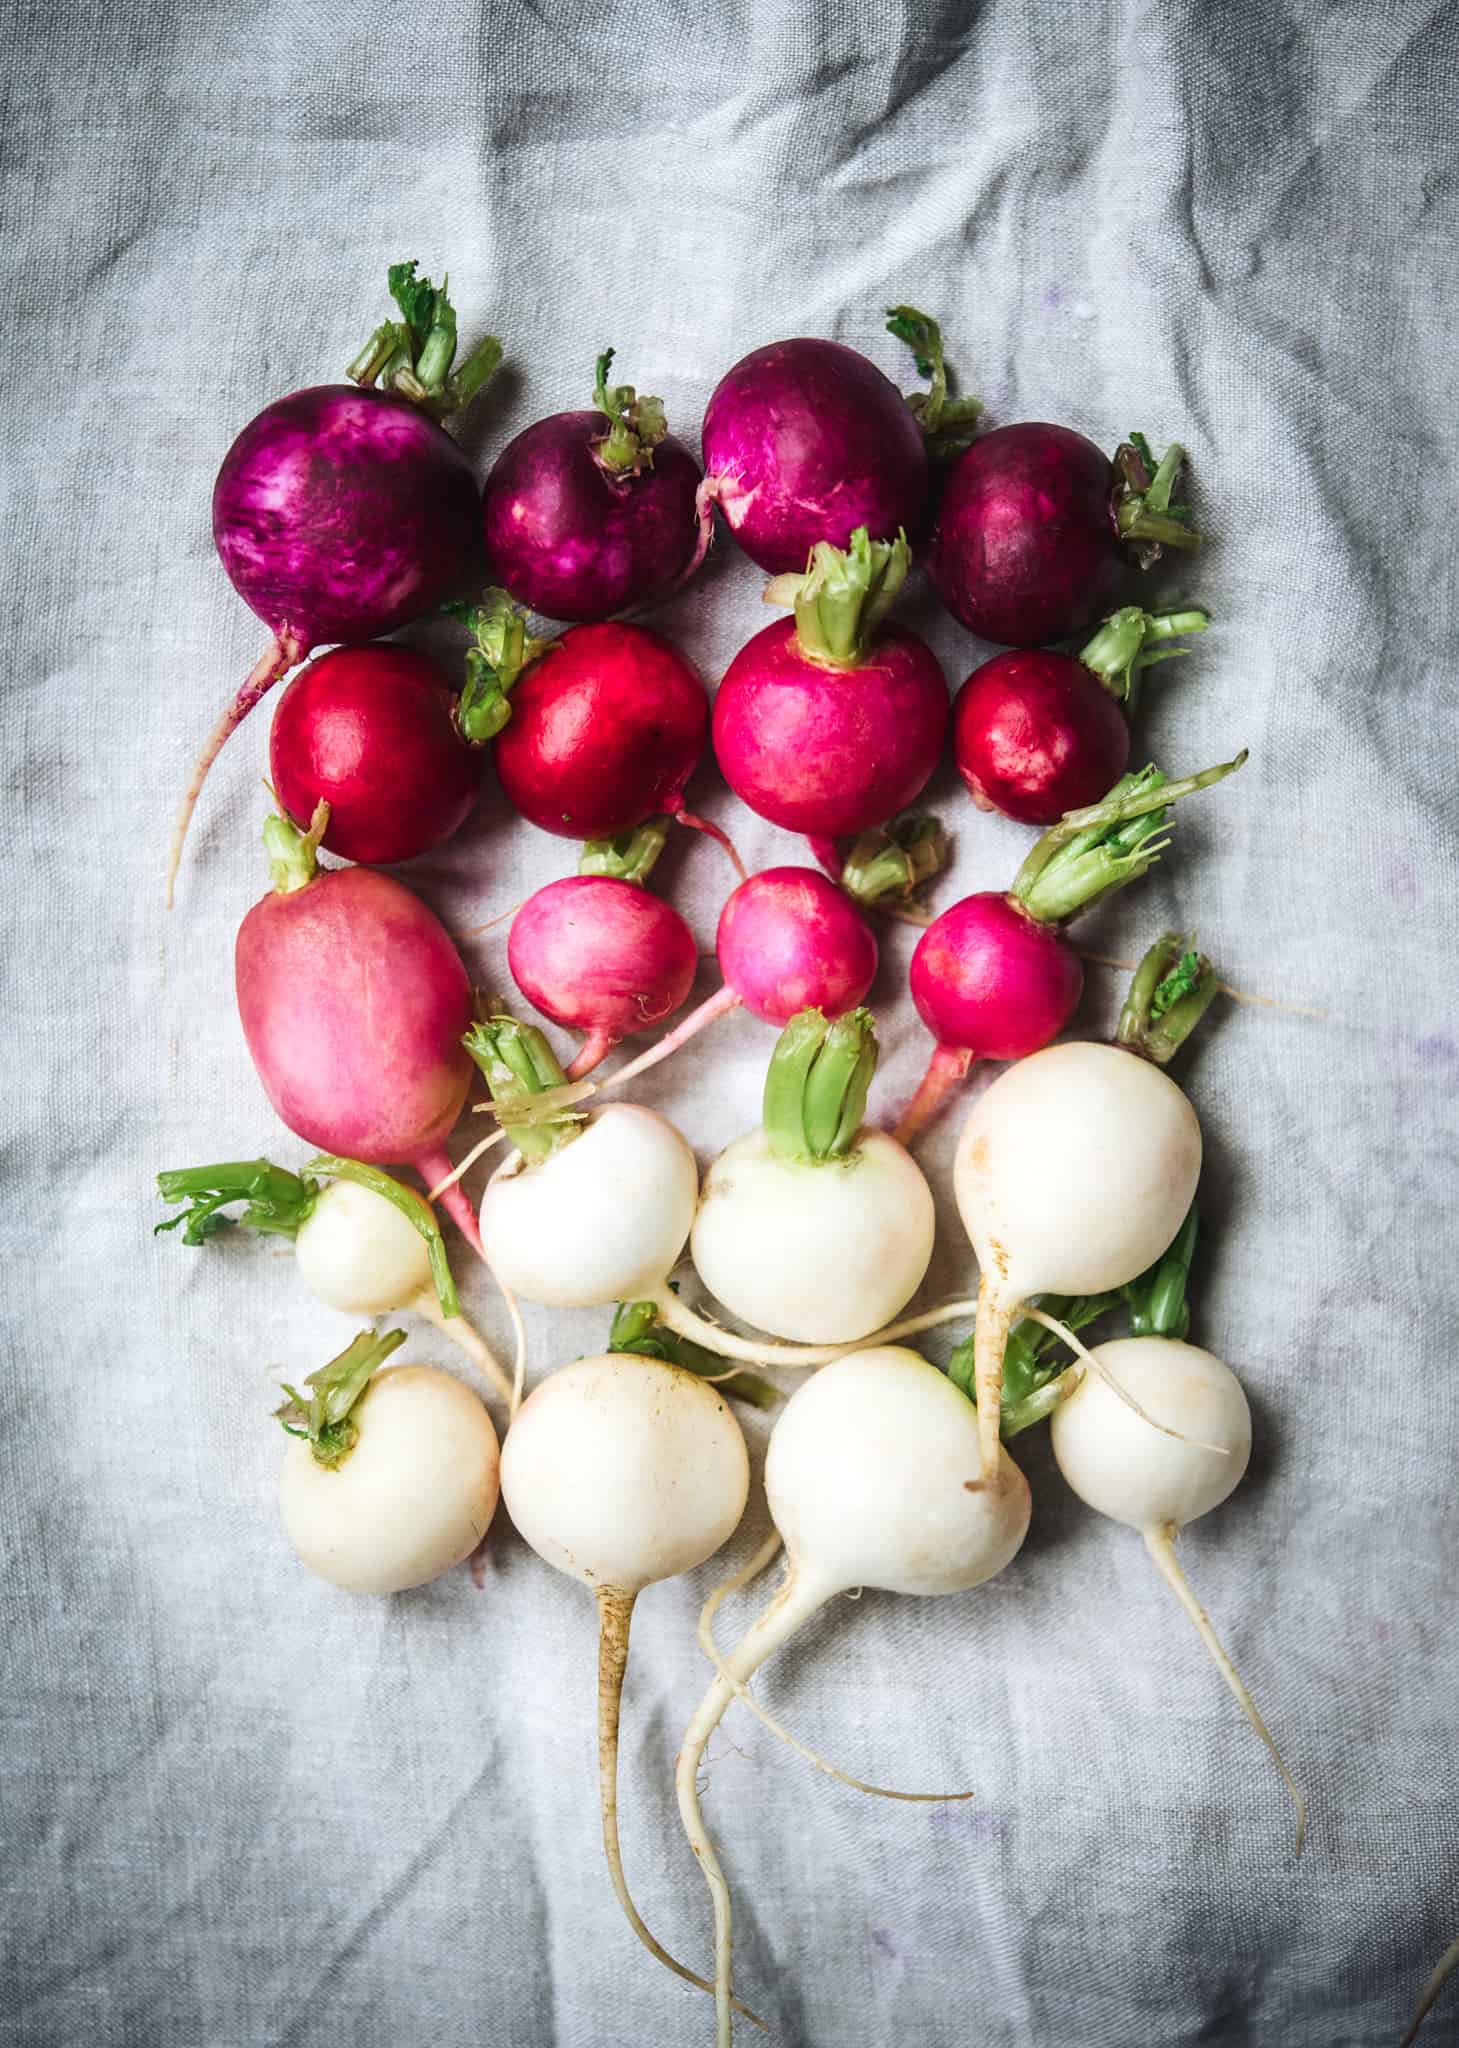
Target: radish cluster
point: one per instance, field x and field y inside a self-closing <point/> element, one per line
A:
<point x="344" y="512"/>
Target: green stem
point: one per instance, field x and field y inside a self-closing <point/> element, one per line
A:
<point x="493" y="666"/>
<point x="292" y="862"/>
<point x="628" y="858"/>
<point x="816" y="1085"/>
<point x="1131" y="640"/>
<point x="1171" y="991"/>
<point x="518" y="1063"/>
<point x="277" y="1201"/>
<point x="895" y="860"/>
<point x="1144" y="513"/>
<point x="635" y="425"/>
<point x="414" y="1208"/>
<point x="413" y="356"/>
<point x="946" y="423"/>
<point x="323" y="1417"/>
<point x="843" y="596"/>
<point x="636" y="1328"/>
<point x="1157" y="1300"/>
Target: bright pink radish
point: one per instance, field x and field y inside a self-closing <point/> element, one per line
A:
<point x="1037" y="528"/>
<point x="830" y="722"/>
<point x="353" y="1002"/>
<point x="370" y="731"/>
<point x="991" y="977"/>
<point x="341" y="513"/>
<point x="591" y="513"/>
<point x="1036" y="733"/>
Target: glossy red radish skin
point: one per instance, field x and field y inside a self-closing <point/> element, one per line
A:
<point x="602" y="956"/>
<point x="1035" y="735"/>
<point x="989" y="978"/>
<point x="790" y="940"/>
<point x="369" y="731"/>
<point x="806" y="440"/>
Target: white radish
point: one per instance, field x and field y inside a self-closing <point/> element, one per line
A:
<point x="873" y="1480"/>
<point x="1157" y="1480"/>
<point x="621" y="1471"/>
<point x="814" y="1227"/>
<point x="393" y="1477"/>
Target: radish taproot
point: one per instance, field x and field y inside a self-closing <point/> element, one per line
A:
<point x="346" y="510"/>
<point x="872" y="1480"/>
<point x="831" y="722"/>
<point x="1036" y="733"/>
<point x="991" y="977"/>
<point x="815" y="1227"/>
<point x="363" y="1241"/>
<point x="591" y="513"/>
<point x="371" y="732"/>
<point x="621" y="1471"/>
<point x="394" y="1475"/>
<point x="1037" y="530"/>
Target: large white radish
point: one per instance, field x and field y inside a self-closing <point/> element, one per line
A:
<point x="873" y="1480"/>
<point x="621" y="1471"/>
<point x="1156" y="1481"/>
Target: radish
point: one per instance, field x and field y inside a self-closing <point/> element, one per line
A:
<point x="814" y="1227"/>
<point x="1036" y="733"/>
<point x="1036" y="529"/>
<point x="393" y="1477"/>
<point x="806" y="440"/>
<point x="589" y="513"/>
<point x="1157" y="1482"/>
<point x="830" y="722"/>
<point x="621" y="1471"/>
<point x="353" y="1002"/>
<point x="598" y="952"/>
<point x="991" y="977"/>
<point x="370" y="732"/>
<point x="587" y="1210"/>
<point x="363" y="1242"/>
<point x="346" y="510"/>
<point x="872" y="1480"/>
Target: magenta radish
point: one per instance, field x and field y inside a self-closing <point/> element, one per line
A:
<point x="1036" y="733"/>
<point x="832" y="721"/>
<point x="371" y="732"/>
<point x="622" y="1471"/>
<point x="353" y="1003"/>
<point x="1037" y="530"/>
<point x="591" y="513"/>
<point x="872" y="1480"/>
<point x="393" y="1476"/>
<point x="363" y="1242"/>
<point x="991" y="977"/>
<point x="806" y="440"/>
<point x="346" y="510"/>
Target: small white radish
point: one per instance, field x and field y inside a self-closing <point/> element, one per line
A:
<point x="393" y="1477"/>
<point x="873" y="1480"/>
<point x="1157" y="1482"/>
<point x="621" y="1471"/>
<point x="588" y="1210"/>
<point x="814" y="1227"/>
<point x="364" y="1242"/>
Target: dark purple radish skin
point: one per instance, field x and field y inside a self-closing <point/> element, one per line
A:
<point x="830" y="722"/>
<point x="346" y="510"/>
<point x="371" y="732"/>
<point x="1036" y="733"/>
<point x="806" y="440"/>
<point x="992" y="977"/>
<point x="1037" y="530"/>
<point x="587" y="514"/>
<point x="353" y="1002"/>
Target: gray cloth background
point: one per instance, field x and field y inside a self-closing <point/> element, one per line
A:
<point x="239" y="1808"/>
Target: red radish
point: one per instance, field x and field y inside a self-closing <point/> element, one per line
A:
<point x="370" y="731"/>
<point x="1037" y="527"/>
<point x="353" y="1002"/>
<point x="806" y="440"/>
<point x="1036" y="733"/>
<point x="591" y="513"/>
<point x="830" y="722"/>
<point x="991" y="977"/>
<point x="341" y="513"/>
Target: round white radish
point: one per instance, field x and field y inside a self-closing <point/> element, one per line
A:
<point x="873" y="1479"/>
<point x="821" y="1251"/>
<point x="358" y="1252"/>
<point x="602" y="1219"/>
<point x="621" y="1471"/>
<point x="1155" y="1482"/>
<point x="412" y="1498"/>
